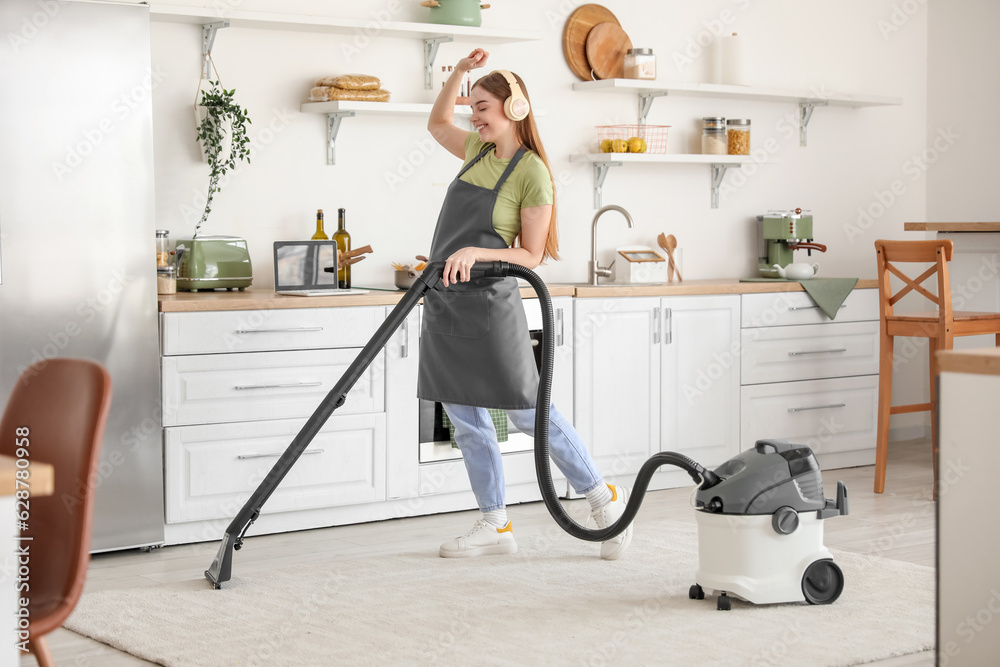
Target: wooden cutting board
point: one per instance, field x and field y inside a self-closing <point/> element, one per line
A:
<point x="606" y="46"/>
<point x="578" y="26"/>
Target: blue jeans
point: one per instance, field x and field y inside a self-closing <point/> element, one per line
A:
<point x="477" y="438"/>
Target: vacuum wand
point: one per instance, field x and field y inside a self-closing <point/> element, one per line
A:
<point x="221" y="569"/>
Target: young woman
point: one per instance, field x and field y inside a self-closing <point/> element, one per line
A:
<point x="475" y="351"/>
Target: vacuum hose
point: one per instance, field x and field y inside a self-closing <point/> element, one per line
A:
<point x="706" y="478"/>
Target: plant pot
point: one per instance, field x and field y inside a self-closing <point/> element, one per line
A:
<point x="200" y="114"/>
<point x="455" y="12"/>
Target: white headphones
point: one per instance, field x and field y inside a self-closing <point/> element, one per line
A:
<point x="516" y="106"/>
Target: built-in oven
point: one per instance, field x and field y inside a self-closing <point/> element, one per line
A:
<point x="436" y="438"/>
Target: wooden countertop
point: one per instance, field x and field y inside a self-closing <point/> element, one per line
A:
<point x="41" y="477"/>
<point x="951" y="226"/>
<point x="985" y="361"/>
<point x="253" y="299"/>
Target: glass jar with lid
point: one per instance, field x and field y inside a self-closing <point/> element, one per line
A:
<point x="738" y="136"/>
<point x="162" y="247"/>
<point x="713" y="135"/>
<point x="166" y="279"/>
<point x="640" y="64"/>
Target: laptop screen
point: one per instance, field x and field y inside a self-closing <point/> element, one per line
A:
<point x="301" y="265"/>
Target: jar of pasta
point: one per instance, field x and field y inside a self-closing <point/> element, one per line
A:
<point x="738" y="134"/>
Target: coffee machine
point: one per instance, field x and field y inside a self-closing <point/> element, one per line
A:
<point x="779" y="233"/>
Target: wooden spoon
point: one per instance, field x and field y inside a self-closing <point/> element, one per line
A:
<point x="669" y="243"/>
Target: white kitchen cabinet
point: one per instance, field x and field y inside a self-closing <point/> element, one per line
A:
<point x="211" y="470"/>
<point x="237" y="386"/>
<point x="657" y="374"/>
<point x="808" y="379"/>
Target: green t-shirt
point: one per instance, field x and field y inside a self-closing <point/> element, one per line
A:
<point x="528" y="185"/>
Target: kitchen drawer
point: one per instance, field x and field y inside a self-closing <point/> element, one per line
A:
<point x="215" y="388"/>
<point x="808" y="352"/>
<point x="210" y="471"/>
<point x="830" y="416"/>
<point x="782" y="308"/>
<point x="263" y="330"/>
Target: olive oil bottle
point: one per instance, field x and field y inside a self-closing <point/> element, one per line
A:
<point x="343" y="240"/>
<point x="320" y="234"/>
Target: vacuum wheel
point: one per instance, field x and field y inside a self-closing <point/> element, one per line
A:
<point x="724" y="603"/>
<point x="823" y="582"/>
<point x="696" y="592"/>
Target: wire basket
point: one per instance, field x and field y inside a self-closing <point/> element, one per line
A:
<point x="655" y="137"/>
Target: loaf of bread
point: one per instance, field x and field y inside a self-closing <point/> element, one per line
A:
<point x="351" y="82"/>
<point x="378" y="95"/>
<point x="319" y="94"/>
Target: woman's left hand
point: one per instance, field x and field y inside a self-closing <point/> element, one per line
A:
<point x="458" y="267"/>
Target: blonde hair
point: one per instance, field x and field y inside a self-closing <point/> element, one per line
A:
<point x="526" y="132"/>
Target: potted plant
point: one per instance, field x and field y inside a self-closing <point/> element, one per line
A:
<point x="222" y="132"/>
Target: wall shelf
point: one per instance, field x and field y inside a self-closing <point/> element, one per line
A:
<point x="603" y="162"/>
<point x="337" y="110"/>
<point x="807" y="100"/>
<point x="432" y="34"/>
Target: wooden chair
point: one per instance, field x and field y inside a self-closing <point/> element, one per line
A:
<point x="940" y="327"/>
<point x="64" y="404"/>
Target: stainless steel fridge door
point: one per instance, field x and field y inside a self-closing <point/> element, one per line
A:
<point x="77" y="231"/>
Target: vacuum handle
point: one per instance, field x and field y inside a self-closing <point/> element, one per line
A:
<point x="432" y="273"/>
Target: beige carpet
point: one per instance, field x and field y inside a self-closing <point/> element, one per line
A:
<point x="553" y="603"/>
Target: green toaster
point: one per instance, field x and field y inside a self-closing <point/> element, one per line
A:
<point x="213" y="262"/>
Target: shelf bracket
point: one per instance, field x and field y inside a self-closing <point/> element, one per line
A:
<point x="431" y="45"/>
<point x="208" y="32"/>
<point x="718" y="173"/>
<point x="645" y="102"/>
<point x="805" y="114"/>
<point x="600" y="173"/>
<point x="332" y="128"/>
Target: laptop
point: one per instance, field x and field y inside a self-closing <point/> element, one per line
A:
<point x="307" y="268"/>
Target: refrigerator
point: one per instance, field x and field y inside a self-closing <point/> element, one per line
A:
<point x="77" y="241"/>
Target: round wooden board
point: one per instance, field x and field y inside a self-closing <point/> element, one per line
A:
<point x="606" y="46"/>
<point x="575" y="32"/>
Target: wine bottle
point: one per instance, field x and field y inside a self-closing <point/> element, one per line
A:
<point x="320" y="234"/>
<point x="343" y="240"/>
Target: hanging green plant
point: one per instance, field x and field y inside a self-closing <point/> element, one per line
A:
<point x="223" y="115"/>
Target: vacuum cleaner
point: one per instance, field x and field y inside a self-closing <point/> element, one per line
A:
<point x="760" y="514"/>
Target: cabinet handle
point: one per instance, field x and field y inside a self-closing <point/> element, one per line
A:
<point x="656" y="325"/>
<point x="559" y="327"/>
<point x="799" y="354"/>
<point x="243" y="387"/>
<point x="288" y="330"/>
<point x="668" y="326"/>
<point x="404" y="352"/>
<point x="842" y="306"/>
<point x="244" y="457"/>
<point x="818" y="407"/>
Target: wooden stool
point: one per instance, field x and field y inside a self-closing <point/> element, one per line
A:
<point x="940" y="327"/>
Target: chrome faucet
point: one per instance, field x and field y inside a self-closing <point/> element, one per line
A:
<point x="596" y="270"/>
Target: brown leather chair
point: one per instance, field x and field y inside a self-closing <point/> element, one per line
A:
<point x="939" y="326"/>
<point x="64" y="404"/>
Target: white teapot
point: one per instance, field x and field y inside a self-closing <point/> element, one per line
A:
<point x="797" y="271"/>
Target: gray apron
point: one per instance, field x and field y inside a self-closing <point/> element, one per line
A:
<point x="474" y="343"/>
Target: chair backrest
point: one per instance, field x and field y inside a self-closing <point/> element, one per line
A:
<point x="937" y="253"/>
<point x="63" y="404"/>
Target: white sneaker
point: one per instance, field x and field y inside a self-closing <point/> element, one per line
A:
<point x="483" y="540"/>
<point x="607" y="515"/>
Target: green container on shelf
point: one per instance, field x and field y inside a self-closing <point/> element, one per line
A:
<point x="456" y="12"/>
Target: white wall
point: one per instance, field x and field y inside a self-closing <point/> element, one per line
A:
<point x="853" y="156"/>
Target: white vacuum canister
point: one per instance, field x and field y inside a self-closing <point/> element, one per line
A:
<point x="744" y="556"/>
